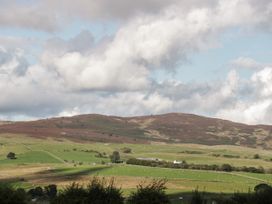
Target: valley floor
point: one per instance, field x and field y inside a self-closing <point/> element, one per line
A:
<point x="42" y="162"/>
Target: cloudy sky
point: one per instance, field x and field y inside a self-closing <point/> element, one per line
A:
<point x="124" y="57"/>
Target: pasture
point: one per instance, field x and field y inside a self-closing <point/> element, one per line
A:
<point x="42" y="162"/>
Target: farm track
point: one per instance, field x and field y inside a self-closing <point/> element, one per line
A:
<point x="250" y="177"/>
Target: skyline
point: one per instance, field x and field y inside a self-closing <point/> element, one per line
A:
<point x="205" y="57"/>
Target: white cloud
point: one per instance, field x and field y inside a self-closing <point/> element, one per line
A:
<point x="263" y="82"/>
<point x="251" y="113"/>
<point x="256" y="107"/>
<point x="114" y="76"/>
<point x="245" y="62"/>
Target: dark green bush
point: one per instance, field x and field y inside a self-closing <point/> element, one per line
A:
<point x="73" y="194"/>
<point x="98" y="191"/>
<point x="51" y="191"/>
<point x="36" y="192"/>
<point x="198" y="198"/>
<point x="153" y="193"/>
<point x="115" y="157"/>
<point x="226" y="167"/>
<point x="10" y="195"/>
<point x="11" y="155"/>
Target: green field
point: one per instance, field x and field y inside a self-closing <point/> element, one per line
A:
<point x="41" y="162"/>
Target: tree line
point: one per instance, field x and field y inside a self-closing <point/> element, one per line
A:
<point x="185" y="165"/>
<point x="98" y="191"/>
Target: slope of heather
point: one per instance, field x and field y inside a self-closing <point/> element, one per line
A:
<point x="171" y="128"/>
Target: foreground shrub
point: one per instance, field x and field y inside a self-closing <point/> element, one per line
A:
<point x="98" y="191"/>
<point x="9" y="195"/>
<point x="153" y="193"/>
<point x="198" y="198"/>
<point x="36" y="192"/>
<point x="51" y="191"/>
<point x="262" y="195"/>
<point x="43" y="193"/>
<point x="73" y="194"/>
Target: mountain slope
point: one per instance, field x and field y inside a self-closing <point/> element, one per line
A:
<point x="172" y="128"/>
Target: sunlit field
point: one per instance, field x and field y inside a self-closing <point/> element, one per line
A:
<point x="42" y="162"/>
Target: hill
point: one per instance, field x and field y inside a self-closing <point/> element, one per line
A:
<point x="170" y="128"/>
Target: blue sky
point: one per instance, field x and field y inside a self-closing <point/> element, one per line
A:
<point x="146" y="57"/>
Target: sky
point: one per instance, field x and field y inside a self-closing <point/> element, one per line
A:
<point x="127" y="58"/>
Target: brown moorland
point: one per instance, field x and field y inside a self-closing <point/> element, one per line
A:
<point x="169" y="128"/>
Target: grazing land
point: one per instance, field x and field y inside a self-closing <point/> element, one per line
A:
<point x="46" y="161"/>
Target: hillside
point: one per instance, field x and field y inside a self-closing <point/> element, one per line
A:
<point x="171" y="128"/>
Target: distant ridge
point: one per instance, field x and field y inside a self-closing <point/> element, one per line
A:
<point x="170" y="128"/>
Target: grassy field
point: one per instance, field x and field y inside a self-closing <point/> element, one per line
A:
<point x="43" y="162"/>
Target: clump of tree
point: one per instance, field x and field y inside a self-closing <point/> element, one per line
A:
<point x="185" y="165"/>
<point x="10" y="195"/>
<point x="11" y="155"/>
<point x="198" y="198"/>
<point x="115" y="157"/>
<point x="190" y="152"/>
<point x="43" y="193"/>
<point x="153" y="193"/>
<point x="226" y="167"/>
<point x="262" y="195"/>
<point x="231" y="156"/>
<point x="74" y="193"/>
<point x="98" y="191"/>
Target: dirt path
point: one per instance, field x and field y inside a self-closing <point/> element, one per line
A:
<point x="53" y="155"/>
<point x="250" y="177"/>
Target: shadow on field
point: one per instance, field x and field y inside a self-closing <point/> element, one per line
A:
<point x="56" y="175"/>
<point x="68" y="174"/>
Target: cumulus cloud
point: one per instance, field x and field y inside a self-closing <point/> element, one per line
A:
<point x="258" y="112"/>
<point x="114" y="75"/>
<point x="147" y="42"/>
<point x="262" y="81"/>
<point x="255" y="106"/>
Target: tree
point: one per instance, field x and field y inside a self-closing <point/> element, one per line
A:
<point x="73" y="194"/>
<point x="197" y="198"/>
<point x="51" y="191"/>
<point x="262" y="187"/>
<point x="11" y="155"/>
<point x="10" y="195"/>
<point x="98" y="191"/>
<point x="153" y="193"/>
<point x="226" y="167"/>
<point x="115" y="157"/>
<point x="36" y="192"/>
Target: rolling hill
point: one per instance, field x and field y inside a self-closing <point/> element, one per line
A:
<point x="170" y="128"/>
